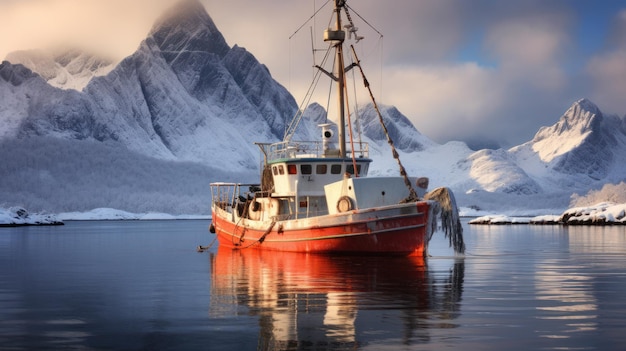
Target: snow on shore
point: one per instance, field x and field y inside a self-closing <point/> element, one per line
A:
<point x="110" y="214"/>
<point x="601" y="213"/>
<point x="598" y="214"/>
<point x="17" y="216"/>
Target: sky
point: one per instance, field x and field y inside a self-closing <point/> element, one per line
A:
<point x="487" y="72"/>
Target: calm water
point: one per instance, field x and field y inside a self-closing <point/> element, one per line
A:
<point x="142" y="286"/>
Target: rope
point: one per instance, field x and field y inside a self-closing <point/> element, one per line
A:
<point x="262" y="238"/>
<point x="243" y="232"/>
<point x="412" y="194"/>
<point x="201" y="248"/>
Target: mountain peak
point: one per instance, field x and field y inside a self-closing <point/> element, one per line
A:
<point x="187" y="26"/>
<point x="578" y="121"/>
<point x="572" y="145"/>
<point x="188" y="13"/>
<point x="583" y="108"/>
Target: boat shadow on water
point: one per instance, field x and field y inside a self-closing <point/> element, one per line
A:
<point x="310" y="301"/>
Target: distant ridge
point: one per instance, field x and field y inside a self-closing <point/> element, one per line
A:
<point x="63" y="68"/>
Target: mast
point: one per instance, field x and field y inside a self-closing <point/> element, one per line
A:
<point x="341" y="82"/>
<point x="337" y="36"/>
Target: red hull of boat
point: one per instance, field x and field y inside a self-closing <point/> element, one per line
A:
<point x="395" y="230"/>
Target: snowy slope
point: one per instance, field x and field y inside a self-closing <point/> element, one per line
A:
<point x="16" y="84"/>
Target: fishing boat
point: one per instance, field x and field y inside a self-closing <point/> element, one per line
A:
<point x="317" y="197"/>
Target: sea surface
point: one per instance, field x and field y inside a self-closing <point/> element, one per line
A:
<point x="141" y="285"/>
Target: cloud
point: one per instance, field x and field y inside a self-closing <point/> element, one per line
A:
<point x="113" y="28"/>
<point x="506" y="100"/>
<point x="426" y="31"/>
<point x="531" y="48"/>
<point x="438" y="97"/>
<point x="607" y="70"/>
<point x="607" y="73"/>
<point x="470" y="102"/>
<point x="617" y="36"/>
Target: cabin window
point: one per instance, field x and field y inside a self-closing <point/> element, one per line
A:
<point x="281" y="170"/>
<point x="335" y="169"/>
<point x="306" y="169"/>
<point x="292" y="169"/>
<point x="350" y="169"/>
<point x="321" y="169"/>
<point x="275" y="170"/>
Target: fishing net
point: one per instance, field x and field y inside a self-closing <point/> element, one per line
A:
<point x="445" y="208"/>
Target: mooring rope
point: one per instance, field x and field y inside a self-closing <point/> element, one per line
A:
<point x="201" y="248"/>
<point x="262" y="238"/>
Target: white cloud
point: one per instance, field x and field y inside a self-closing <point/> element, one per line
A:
<point x="463" y="101"/>
<point x="531" y="50"/>
<point x="438" y="97"/>
<point x="606" y="71"/>
<point x="470" y="100"/>
<point x="608" y="76"/>
<point x="112" y="27"/>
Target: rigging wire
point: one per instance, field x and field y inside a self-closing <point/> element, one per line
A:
<point x="412" y="194"/>
<point x="350" y="133"/>
<point x="310" y="18"/>
<point x="330" y="90"/>
<point x="290" y="130"/>
<point x="356" y="108"/>
<point x="346" y="8"/>
<point x="309" y="95"/>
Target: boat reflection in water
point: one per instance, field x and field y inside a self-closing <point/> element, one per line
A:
<point x="317" y="301"/>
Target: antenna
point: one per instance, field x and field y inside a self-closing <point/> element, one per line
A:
<point x="352" y="31"/>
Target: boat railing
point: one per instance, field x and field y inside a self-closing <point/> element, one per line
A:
<point x="225" y="195"/>
<point x="310" y="149"/>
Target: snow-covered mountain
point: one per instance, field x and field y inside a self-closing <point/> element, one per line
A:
<point x="183" y="95"/>
<point x="583" y="150"/>
<point x="403" y="133"/>
<point x="584" y="147"/>
<point x="185" y="109"/>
